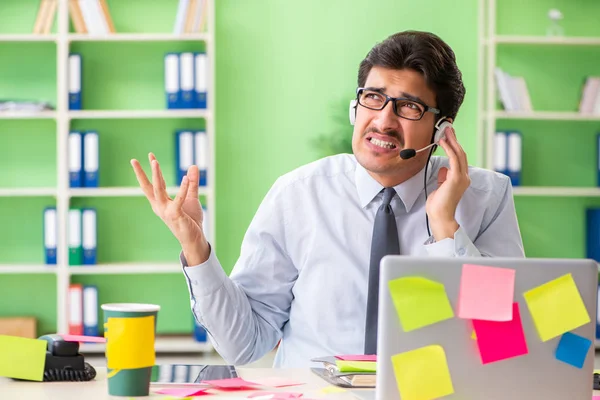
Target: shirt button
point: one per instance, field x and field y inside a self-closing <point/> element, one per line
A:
<point x="461" y="251"/>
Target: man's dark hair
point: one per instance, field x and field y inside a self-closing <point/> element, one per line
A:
<point x="426" y="53"/>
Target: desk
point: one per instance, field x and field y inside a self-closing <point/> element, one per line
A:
<point x="97" y="389"/>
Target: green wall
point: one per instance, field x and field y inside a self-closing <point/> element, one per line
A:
<point x="285" y="72"/>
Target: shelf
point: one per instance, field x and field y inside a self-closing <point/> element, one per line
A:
<point x="137" y="114"/>
<point x="139" y="37"/>
<point x="162" y="344"/>
<point x="27" y="269"/>
<point x="123" y="191"/>
<point x="567" y="41"/>
<point x="27" y="115"/>
<point x="125" y="268"/>
<point x="547" y="115"/>
<point x="27" y="192"/>
<point x="28" y="38"/>
<point x="556" y="191"/>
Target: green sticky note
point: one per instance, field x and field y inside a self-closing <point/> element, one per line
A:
<point x="419" y="302"/>
<point x="356" y="366"/>
<point x="22" y="358"/>
<point x="556" y="307"/>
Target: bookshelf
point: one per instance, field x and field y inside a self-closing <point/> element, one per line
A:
<point x="137" y="256"/>
<point x="559" y="157"/>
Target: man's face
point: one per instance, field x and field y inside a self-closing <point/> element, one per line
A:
<point x="386" y="127"/>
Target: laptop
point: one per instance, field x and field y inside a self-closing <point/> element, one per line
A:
<point x="535" y="375"/>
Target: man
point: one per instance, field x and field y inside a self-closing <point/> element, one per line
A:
<point x="303" y="272"/>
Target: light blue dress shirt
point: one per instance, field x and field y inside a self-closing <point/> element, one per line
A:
<point x="302" y="275"/>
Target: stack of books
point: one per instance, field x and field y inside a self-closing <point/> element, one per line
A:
<point x="348" y="371"/>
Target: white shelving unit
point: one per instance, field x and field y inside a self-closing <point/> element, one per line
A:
<point x="63" y="193"/>
<point x="488" y="43"/>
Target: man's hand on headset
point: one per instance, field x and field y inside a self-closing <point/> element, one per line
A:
<point x="452" y="184"/>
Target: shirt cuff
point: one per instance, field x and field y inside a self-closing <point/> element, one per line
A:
<point x="205" y="278"/>
<point x="459" y="246"/>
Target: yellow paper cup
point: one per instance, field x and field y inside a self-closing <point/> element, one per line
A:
<point x="129" y="329"/>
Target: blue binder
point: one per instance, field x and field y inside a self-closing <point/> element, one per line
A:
<point x="199" y="332"/>
<point x="90" y="310"/>
<point x="75" y="68"/>
<point x="50" y="235"/>
<point x="75" y="157"/>
<point x="172" y="81"/>
<point x="91" y="159"/>
<point x="184" y="153"/>
<point x="515" y="148"/>
<point x="201" y="155"/>
<point x="186" y="73"/>
<point x="89" y="240"/>
<point x="593" y="233"/>
<point x="598" y="159"/>
<point x="200" y="80"/>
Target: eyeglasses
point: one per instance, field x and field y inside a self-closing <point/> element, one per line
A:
<point x="403" y="107"/>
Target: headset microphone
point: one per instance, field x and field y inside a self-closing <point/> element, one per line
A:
<point x="439" y="134"/>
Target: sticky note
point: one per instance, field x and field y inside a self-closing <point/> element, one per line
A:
<point x="230" y="383"/>
<point x="332" y="389"/>
<point x="556" y="307"/>
<point x="419" y="302"/>
<point x="84" y="339"/>
<point x="573" y="349"/>
<point x="183" y="392"/>
<point x="277" y="382"/>
<point x="486" y="293"/>
<point x="356" y="366"/>
<point x="275" y="395"/>
<point x="473" y="335"/>
<point x="499" y="340"/>
<point x="358" y="357"/>
<point x="130" y="343"/>
<point x="22" y="358"/>
<point x="423" y="374"/>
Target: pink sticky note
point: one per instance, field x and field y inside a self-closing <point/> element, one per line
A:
<point x="277" y="382"/>
<point x="231" y="383"/>
<point x="275" y="395"/>
<point x="486" y="293"/>
<point x="358" y="357"/>
<point x="501" y="340"/>
<point x="183" y="392"/>
<point x="80" y="338"/>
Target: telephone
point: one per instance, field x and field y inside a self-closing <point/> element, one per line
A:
<point x="64" y="362"/>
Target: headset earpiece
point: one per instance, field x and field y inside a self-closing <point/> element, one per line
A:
<point x="352" y="114"/>
<point x="440" y="128"/>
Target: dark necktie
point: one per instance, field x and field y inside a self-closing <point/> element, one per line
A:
<point x="385" y="241"/>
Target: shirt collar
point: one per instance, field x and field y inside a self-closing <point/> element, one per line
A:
<point x="408" y="191"/>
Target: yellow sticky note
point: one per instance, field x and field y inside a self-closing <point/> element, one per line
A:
<point x="332" y="389"/>
<point x="356" y="366"/>
<point x="423" y="374"/>
<point x="419" y="302"/>
<point x="22" y="358"/>
<point x="130" y="343"/>
<point x="474" y="335"/>
<point x="556" y="307"/>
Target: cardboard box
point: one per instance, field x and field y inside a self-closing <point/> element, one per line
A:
<point x="19" y="326"/>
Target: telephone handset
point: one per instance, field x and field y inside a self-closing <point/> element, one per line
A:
<point x="64" y="362"/>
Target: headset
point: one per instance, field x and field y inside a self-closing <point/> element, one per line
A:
<point x="439" y="133"/>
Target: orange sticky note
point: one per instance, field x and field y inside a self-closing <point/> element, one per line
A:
<point x="419" y="302"/>
<point x="423" y="374"/>
<point x="486" y="293"/>
<point x="130" y="343"/>
<point x="556" y="307"/>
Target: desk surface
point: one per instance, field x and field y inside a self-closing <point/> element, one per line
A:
<point x="97" y="389"/>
